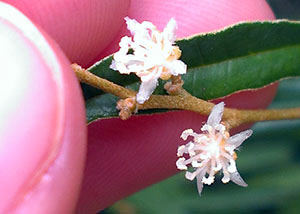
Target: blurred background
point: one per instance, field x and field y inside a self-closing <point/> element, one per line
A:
<point x="269" y="162"/>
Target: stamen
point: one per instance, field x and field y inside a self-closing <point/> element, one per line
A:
<point x="181" y="150"/>
<point x="180" y="163"/>
<point x="226" y="177"/>
<point x="186" y="133"/>
<point x="196" y="164"/>
<point x="232" y="166"/>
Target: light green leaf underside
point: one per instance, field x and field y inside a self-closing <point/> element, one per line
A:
<point x="243" y="56"/>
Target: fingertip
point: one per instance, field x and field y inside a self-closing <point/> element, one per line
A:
<point x="44" y="126"/>
<point x="199" y="16"/>
<point x="193" y="16"/>
<point x="81" y="28"/>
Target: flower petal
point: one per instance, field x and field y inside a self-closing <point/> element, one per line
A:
<point x="132" y="25"/>
<point x="139" y="30"/>
<point x="199" y="180"/>
<point x="199" y="185"/>
<point x="176" y="67"/>
<point x="169" y="32"/>
<point x="237" y="179"/>
<point x="216" y="114"/>
<point x="119" y="67"/>
<point x="148" y="25"/>
<point x="113" y="65"/>
<point x="146" y="89"/>
<point x="239" y="138"/>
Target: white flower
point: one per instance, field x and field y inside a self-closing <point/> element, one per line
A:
<point x="154" y="55"/>
<point x="212" y="151"/>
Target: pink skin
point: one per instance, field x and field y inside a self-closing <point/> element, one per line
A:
<point x="83" y="28"/>
<point x="127" y="156"/>
<point x="44" y="159"/>
<point x="193" y="17"/>
<point x="43" y="131"/>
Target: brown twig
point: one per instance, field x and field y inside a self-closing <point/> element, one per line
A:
<point x="182" y="100"/>
<point x="87" y="77"/>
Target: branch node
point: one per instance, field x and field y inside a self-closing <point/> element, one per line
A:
<point x="127" y="107"/>
<point x="174" y="87"/>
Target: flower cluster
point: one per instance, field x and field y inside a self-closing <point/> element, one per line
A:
<point x="154" y="55"/>
<point x="212" y="151"/>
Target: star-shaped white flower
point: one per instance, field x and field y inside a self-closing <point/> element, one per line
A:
<point x="154" y="55"/>
<point x="212" y="151"/>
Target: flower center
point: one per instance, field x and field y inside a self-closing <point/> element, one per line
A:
<point x="213" y="148"/>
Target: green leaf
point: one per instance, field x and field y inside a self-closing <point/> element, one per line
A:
<point x="242" y="56"/>
<point x="285" y="9"/>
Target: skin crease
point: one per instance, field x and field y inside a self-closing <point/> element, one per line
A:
<point x="43" y="134"/>
<point x="127" y="156"/>
<point x="123" y="156"/>
<point x="77" y="25"/>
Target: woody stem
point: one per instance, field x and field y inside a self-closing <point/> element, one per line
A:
<point x="185" y="101"/>
<point x="87" y="77"/>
